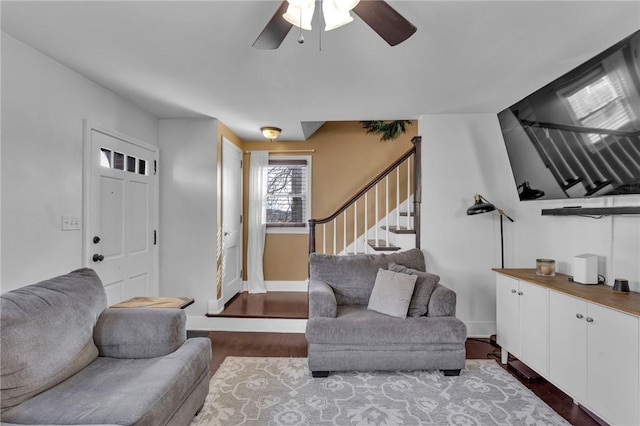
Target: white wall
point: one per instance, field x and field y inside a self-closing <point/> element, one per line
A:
<point x="43" y="107"/>
<point x="464" y="155"/>
<point x="188" y="215"/>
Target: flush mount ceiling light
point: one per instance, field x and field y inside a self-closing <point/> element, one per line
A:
<point x="270" y="132"/>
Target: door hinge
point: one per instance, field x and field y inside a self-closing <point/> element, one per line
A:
<point x="155" y="237"/>
<point x="155" y="167"/>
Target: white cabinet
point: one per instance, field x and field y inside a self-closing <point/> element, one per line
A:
<point x="593" y="356"/>
<point x="568" y="345"/>
<point x="522" y="322"/>
<point x="583" y="339"/>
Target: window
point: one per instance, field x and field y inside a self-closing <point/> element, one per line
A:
<point x="601" y="104"/>
<point x="288" y="188"/>
<point x="116" y="160"/>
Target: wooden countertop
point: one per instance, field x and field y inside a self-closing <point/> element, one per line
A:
<point x="600" y="293"/>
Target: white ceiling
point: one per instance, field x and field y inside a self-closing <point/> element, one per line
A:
<point x="190" y="59"/>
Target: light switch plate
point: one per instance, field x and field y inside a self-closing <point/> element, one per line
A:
<point x="70" y="223"/>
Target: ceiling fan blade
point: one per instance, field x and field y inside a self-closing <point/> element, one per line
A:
<point x="384" y="20"/>
<point x="275" y="31"/>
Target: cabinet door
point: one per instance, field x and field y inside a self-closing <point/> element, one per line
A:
<point x="568" y="344"/>
<point x="613" y="376"/>
<point x="534" y="327"/>
<point x="507" y="314"/>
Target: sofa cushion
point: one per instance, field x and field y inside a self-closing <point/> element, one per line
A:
<point x="355" y="325"/>
<point x="121" y="391"/>
<point x="46" y="333"/>
<point x="352" y="277"/>
<point x="391" y="293"/>
<point x="425" y="284"/>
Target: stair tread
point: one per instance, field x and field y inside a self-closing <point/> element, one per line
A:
<point x="382" y="245"/>
<point x="399" y="229"/>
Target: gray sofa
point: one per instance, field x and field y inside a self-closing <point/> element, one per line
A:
<point x="68" y="359"/>
<point x="343" y="334"/>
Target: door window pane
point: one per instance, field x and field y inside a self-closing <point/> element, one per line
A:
<point x="118" y="161"/>
<point x="131" y="164"/>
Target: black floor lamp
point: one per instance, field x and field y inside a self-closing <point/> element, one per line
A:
<point x="482" y="205"/>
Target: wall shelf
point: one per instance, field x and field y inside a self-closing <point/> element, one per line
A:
<point x="590" y="211"/>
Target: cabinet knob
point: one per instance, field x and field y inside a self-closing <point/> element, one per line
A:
<point x="579" y="316"/>
<point x="520" y="293"/>
<point x="589" y="319"/>
<point x="513" y="290"/>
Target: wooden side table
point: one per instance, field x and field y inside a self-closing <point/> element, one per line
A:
<point x="155" y="302"/>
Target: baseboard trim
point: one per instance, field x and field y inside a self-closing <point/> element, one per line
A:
<point x="281" y="285"/>
<point x="480" y="329"/>
<point x="215" y="306"/>
<point x="259" y="325"/>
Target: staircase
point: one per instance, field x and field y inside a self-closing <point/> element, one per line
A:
<point x="383" y="216"/>
<point x="587" y="161"/>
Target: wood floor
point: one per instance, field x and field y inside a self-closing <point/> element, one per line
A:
<point x="281" y="304"/>
<point x="295" y="345"/>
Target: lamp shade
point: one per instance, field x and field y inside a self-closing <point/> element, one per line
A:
<point x="300" y="17"/>
<point x="480" y="206"/>
<point x="529" y="193"/>
<point x="334" y="17"/>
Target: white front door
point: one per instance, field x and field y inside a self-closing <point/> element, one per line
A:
<point x="121" y="210"/>
<point x="231" y="220"/>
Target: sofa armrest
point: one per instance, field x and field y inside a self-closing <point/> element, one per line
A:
<point x="140" y="332"/>
<point x="322" y="300"/>
<point x="442" y="302"/>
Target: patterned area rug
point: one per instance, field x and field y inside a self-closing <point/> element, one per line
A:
<point x="281" y="392"/>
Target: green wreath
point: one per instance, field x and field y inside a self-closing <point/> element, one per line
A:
<point x="389" y="130"/>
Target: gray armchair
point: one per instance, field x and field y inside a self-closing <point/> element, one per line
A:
<point x="343" y="334"/>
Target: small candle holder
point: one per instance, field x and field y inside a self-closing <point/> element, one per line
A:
<point x="546" y="267"/>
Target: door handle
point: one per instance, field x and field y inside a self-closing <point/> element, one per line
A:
<point x="97" y="258"/>
<point x="579" y="316"/>
<point x="513" y="290"/>
<point x="589" y="319"/>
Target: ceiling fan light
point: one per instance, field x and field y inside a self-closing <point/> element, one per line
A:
<point x="345" y="4"/>
<point x="301" y="4"/>
<point x="334" y="17"/>
<point x="301" y="18"/>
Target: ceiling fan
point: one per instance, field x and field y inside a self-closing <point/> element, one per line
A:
<point x="381" y="17"/>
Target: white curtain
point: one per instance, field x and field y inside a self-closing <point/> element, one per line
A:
<point x="257" y="225"/>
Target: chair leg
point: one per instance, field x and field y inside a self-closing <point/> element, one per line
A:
<point x="451" y="372"/>
<point x="319" y="374"/>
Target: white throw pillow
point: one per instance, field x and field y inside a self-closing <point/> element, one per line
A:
<point x="392" y="293"/>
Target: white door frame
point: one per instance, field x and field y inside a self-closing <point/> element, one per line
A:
<point x="87" y="173"/>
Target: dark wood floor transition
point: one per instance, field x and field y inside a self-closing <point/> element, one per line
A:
<point x="295" y="345"/>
